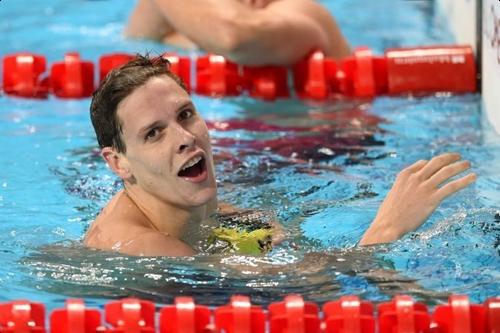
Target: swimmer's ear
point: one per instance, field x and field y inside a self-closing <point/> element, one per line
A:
<point x="116" y="162"/>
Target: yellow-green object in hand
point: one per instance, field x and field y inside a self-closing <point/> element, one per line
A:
<point x="243" y="232"/>
<point x="241" y="241"/>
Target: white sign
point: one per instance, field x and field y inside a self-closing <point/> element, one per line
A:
<point x="491" y="61"/>
<point x="462" y="18"/>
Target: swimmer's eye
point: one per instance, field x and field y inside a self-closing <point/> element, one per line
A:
<point x="152" y="134"/>
<point x="186" y="114"/>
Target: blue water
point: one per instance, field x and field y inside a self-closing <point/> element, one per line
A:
<point x="53" y="183"/>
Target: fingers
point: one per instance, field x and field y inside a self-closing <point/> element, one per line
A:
<point x="417" y="166"/>
<point x="437" y="163"/>
<point x="448" y="171"/>
<point x="456" y="186"/>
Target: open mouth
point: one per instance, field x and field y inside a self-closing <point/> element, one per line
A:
<point x="194" y="168"/>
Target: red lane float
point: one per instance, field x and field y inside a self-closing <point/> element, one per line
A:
<point x="216" y="76"/>
<point x="184" y="316"/>
<point x="268" y="82"/>
<point x="180" y="66"/>
<point x="315" y="77"/>
<point x="22" y="316"/>
<point x="130" y="315"/>
<point x="402" y="314"/>
<point x="110" y="61"/>
<point x="492" y="306"/>
<point x="292" y="315"/>
<point x="22" y="75"/>
<point x="75" y="318"/>
<point x="460" y="316"/>
<point x="362" y="75"/>
<point x="430" y="69"/>
<point x="419" y="71"/>
<point x="240" y="316"/>
<point x="73" y="77"/>
<point x="349" y="314"/>
<point x="422" y="70"/>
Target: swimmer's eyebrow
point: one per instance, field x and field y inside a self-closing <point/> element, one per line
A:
<point x="147" y="128"/>
<point x="160" y="123"/>
<point x="187" y="104"/>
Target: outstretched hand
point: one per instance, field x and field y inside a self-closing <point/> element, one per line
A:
<point x="416" y="193"/>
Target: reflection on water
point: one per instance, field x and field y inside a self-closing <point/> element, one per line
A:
<point x="79" y="272"/>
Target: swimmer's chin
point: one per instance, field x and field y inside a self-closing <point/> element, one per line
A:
<point x="207" y="196"/>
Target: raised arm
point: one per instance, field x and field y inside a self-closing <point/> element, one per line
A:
<point x="146" y="21"/>
<point x="280" y="33"/>
<point x="416" y="193"/>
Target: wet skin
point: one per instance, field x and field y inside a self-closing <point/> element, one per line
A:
<point x="160" y="205"/>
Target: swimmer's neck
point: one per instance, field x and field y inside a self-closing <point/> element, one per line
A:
<point x="167" y="218"/>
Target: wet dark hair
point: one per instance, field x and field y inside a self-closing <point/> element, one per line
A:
<point x="118" y="84"/>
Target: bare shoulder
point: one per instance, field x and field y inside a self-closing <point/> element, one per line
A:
<point x="154" y="243"/>
<point x="138" y="241"/>
<point x="122" y="227"/>
<point x="115" y="222"/>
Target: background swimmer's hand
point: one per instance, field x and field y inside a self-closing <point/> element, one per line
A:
<point x="416" y="193"/>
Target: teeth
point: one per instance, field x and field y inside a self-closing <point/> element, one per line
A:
<point x="191" y="162"/>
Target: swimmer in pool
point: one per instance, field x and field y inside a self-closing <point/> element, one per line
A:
<point x="152" y="137"/>
<point x="252" y="32"/>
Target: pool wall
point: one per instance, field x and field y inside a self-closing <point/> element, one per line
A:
<point x="477" y="22"/>
<point x="462" y="17"/>
<point x="491" y="60"/>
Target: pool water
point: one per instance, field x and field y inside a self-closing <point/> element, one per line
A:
<point x="322" y="168"/>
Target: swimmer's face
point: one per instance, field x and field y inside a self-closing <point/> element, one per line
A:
<point x="168" y="152"/>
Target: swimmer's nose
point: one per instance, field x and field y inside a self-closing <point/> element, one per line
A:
<point x="187" y="140"/>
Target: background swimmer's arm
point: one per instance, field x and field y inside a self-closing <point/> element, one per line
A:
<point x="156" y="244"/>
<point x="416" y="193"/>
<point x="146" y="21"/>
<point x="257" y="3"/>
<point x="281" y="33"/>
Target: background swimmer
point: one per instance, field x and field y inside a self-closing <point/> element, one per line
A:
<point x="152" y="137"/>
<point x="253" y="32"/>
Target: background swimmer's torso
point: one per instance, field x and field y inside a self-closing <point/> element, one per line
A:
<point x="324" y="186"/>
